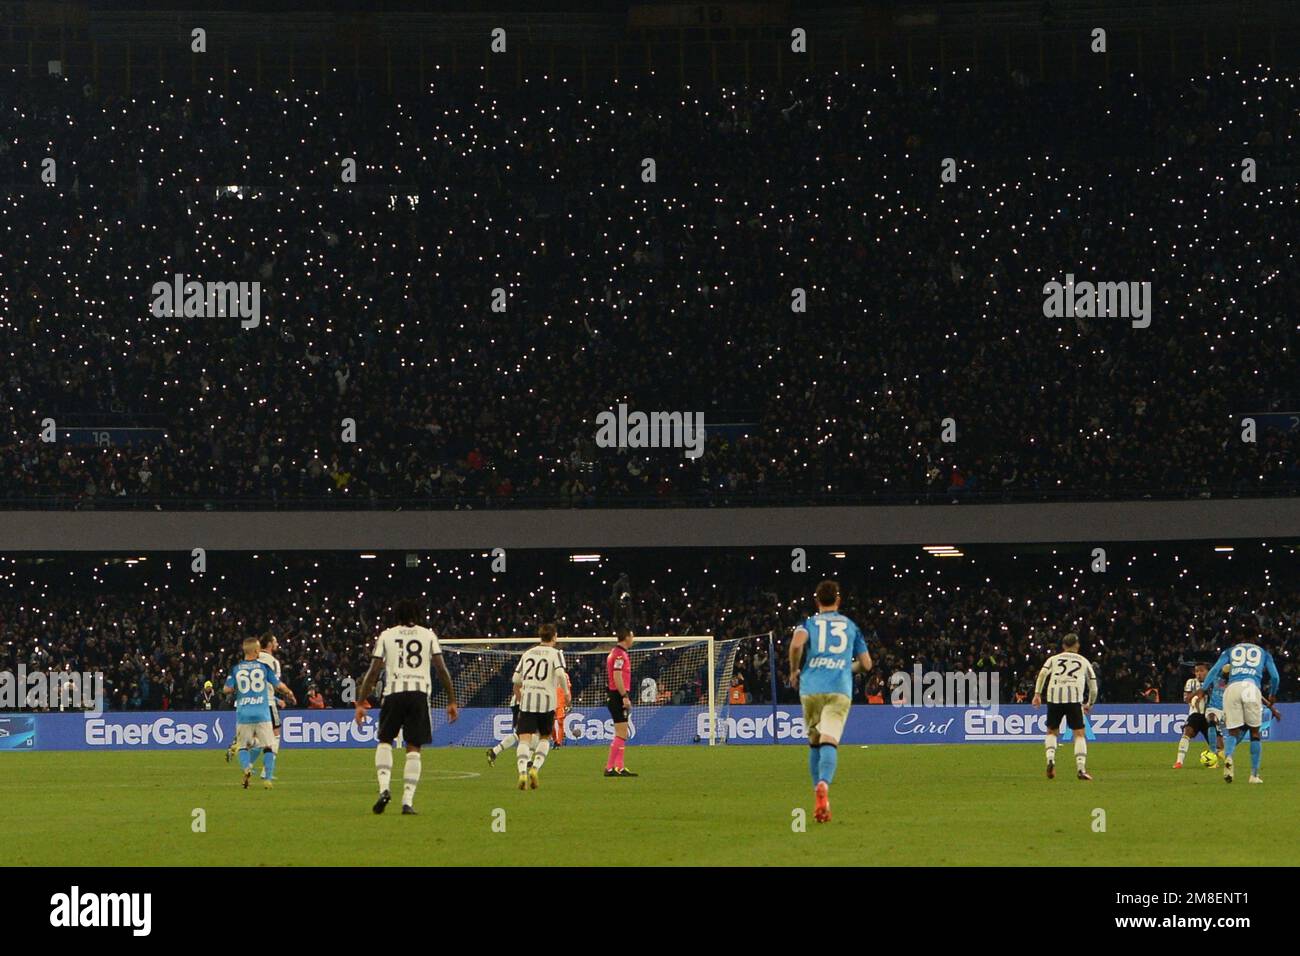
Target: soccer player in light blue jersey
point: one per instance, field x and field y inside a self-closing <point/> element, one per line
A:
<point x="253" y="683"/>
<point x="1243" y="700"/>
<point x="823" y="675"/>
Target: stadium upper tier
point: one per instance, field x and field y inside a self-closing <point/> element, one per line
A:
<point x="445" y="330"/>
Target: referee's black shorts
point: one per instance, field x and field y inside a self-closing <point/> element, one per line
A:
<point x="1073" y="714"/>
<point x="406" y="711"/>
<point x="616" y="708"/>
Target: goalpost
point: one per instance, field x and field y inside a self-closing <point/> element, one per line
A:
<point x="679" y="686"/>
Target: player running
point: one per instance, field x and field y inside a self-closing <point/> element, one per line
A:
<point x="1196" y="722"/>
<point x="618" y="677"/>
<point x="538" y="676"/>
<point x="1071" y="685"/>
<point x="252" y="682"/>
<point x="1243" y="701"/>
<point x="405" y="654"/>
<point x="1202" y="719"/>
<point x="824" y="678"/>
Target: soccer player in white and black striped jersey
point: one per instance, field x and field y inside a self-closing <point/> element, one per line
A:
<point x="405" y="654"/>
<point x="539" y="674"/>
<point x="1071" y="690"/>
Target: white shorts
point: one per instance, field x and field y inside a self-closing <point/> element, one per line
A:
<point x="254" y="735"/>
<point x="825" y="714"/>
<point x="1243" y="705"/>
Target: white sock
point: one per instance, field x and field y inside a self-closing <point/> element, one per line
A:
<point x="410" y="777"/>
<point x="1051" y="748"/>
<point x="1183" y="743"/>
<point x="539" y="755"/>
<point x="522" y="756"/>
<point x="275" y="745"/>
<point x="384" y="765"/>
<point x="503" y="745"/>
<point x="1081" y="751"/>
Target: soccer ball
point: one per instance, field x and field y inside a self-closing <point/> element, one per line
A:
<point x="1208" y="759"/>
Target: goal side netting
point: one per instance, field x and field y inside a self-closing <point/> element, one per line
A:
<point x="679" y="689"/>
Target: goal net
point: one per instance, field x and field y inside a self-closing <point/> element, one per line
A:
<point x="679" y="689"/>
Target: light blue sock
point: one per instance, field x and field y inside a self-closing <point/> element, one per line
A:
<point x="1229" y="744"/>
<point x="245" y="760"/>
<point x="830" y="759"/>
<point x="1256" y="755"/>
<point x="814" y="761"/>
<point x="1210" y="736"/>
<point x="268" y="761"/>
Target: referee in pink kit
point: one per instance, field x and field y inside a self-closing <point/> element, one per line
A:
<point x="618" y="674"/>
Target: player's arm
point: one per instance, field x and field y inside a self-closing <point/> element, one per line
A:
<point x="1215" y="672"/>
<point x="1043" y="673"/>
<point x="796" y="654"/>
<point x="283" y="688"/>
<point x="1090" y="691"/>
<point x="367" y="685"/>
<point x="1274" y="679"/>
<point x="440" y="665"/>
<point x="861" y="656"/>
<point x="1189" y="691"/>
<point x="229" y="686"/>
<point x="517" y="683"/>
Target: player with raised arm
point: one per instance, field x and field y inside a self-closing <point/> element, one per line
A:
<point x="253" y="683"/>
<point x="618" y="678"/>
<point x="1243" y="701"/>
<point x="538" y="677"/>
<point x="1071" y="686"/>
<point x="405" y="654"/>
<point x="836" y="650"/>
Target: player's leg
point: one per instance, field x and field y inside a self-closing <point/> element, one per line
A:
<point x="411" y="768"/>
<point x="417" y="731"/>
<point x="390" y="722"/>
<point x="507" y="742"/>
<point x="1185" y="740"/>
<point x="524" y="753"/>
<point x="243" y="740"/>
<point x="271" y="753"/>
<point x="1234" y="717"/>
<point x="542" y="748"/>
<point x="264" y="735"/>
<point x="1054" y="715"/>
<point x="1079" y="731"/>
<point x="1253" y="709"/>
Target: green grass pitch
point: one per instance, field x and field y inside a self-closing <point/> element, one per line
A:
<point x="946" y="805"/>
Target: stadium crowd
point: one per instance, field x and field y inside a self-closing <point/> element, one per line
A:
<point x="924" y="297"/>
<point x="159" y="633"/>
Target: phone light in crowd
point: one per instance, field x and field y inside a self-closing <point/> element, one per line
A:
<point x="943" y="551"/>
<point x="838" y="554"/>
<point x="1223" y="548"/>
<point x="368" y="557"/>
<point x="585" y="558"/>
